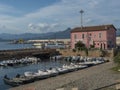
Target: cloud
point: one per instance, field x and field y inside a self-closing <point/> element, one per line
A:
<point x="60" y="16"/>
<point x="43" y="27"/>
<point x="2" y="26"/>
<point x="93" y="3"/>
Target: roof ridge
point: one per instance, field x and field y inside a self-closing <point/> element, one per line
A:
<point x="93" y="28"/>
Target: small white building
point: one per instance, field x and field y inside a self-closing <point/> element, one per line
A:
<point x="118" y="41"/>
<point x="38" y="45"/>
<point x="49" y="45"/>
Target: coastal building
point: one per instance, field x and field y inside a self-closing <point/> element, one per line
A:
<point x="118" y="41"/>
<point x="103" y="36"/>
<point x="50" y="43"/>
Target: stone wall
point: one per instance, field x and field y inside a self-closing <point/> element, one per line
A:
<point x="21" y="53"/>
<point x="92" y="53"/>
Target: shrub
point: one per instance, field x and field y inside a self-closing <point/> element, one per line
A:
<point x="80" y="46"/>
<point x="74" y="50"/>
<point x="117" y="59"/>
<point x="92" y="46"/>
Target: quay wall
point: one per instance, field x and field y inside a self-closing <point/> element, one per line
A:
<point x="21" y="53"/>
<point x="92" y="53"/>
<point x="68" y="52"/>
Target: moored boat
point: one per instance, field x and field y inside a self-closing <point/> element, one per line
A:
<point x="16" y="81"/>
<point x="62" y="70"/>
<point x="52" y="71"/>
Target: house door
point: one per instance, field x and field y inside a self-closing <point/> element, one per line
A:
<point x="104" y="46"/>
<point x="101" y="46"/>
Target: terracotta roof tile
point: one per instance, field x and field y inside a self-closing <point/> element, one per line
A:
<point x="93" y="28"/>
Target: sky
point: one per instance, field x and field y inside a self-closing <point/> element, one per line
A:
<point x="41" y="16"/>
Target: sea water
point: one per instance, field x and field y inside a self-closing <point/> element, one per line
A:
<point x="13" y="71"/>
<point x="6" y="45"/>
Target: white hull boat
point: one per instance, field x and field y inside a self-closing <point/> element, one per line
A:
<point x="53" y="72"/>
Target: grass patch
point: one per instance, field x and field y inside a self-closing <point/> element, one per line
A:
<point x="117" y="61"/>
<point x="116" y="68"/>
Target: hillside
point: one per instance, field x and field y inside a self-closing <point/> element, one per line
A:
<point x="50" y="35"/>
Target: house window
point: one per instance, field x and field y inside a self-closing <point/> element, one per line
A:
<point x="90" y="34"/>
<point x="94" y="36"/>
<point x="98" y="44"/>
<point x="83" y="36"/>
<point x="75" y="36"/>
<point x="100" y="35"/>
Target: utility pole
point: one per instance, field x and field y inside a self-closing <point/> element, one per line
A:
<point x="81" y="11"/>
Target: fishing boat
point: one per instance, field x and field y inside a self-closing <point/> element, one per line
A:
<point x="31" y="74"/>
<point x="91" y="61"/>
<point x="69" y="67"/>
<point x="52" y="71"/>
<point x="38" y="75"/>
<point x="43" y="74"/>
<point x="12" y="82"/>
<point x="3" y="64"/>
<point x="62" y="70"/>
<point x="16" y="81"/>
<point x="16" y="62"/>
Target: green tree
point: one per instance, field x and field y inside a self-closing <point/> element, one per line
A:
<point x="80" y="46"/>
<point x="20" y="41"/>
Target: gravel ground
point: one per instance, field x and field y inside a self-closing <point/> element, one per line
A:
<point x="98" y="77"/>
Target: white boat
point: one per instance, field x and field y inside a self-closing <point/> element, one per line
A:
<point x="97" y="62"/>
<point x="38" y="75"/>
<point x="92" y="61"/>
<point x="31" y="74"/>
<point x="43" y="74"/>
<point x="88" y="63"/>
<point x="69" y="67"/>
<point x="62" y="70"/>
<point x="81" y="66"/>
<point x="54" y="45"/>
<point x="53" y="71"/>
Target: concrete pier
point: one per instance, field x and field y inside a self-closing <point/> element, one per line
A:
<point x="21" y="53"/>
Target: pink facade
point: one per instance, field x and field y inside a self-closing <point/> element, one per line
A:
<point x="103" y="37"/>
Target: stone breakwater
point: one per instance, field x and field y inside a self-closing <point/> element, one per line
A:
<point x="21" y="53"/>
<point x="98" y="77"/>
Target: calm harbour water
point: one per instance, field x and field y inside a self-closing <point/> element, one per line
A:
<point x="12" y="71"/>
<point x="7" y="46"/>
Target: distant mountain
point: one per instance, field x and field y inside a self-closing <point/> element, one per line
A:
<point x="61" y="34"/>
<point x="49" y="35"/>
<point x="1" y="39"/>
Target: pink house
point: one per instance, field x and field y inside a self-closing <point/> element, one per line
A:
<point x="103" y="36"/>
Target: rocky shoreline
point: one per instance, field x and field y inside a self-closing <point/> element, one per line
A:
<point x="98" y="77"/>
